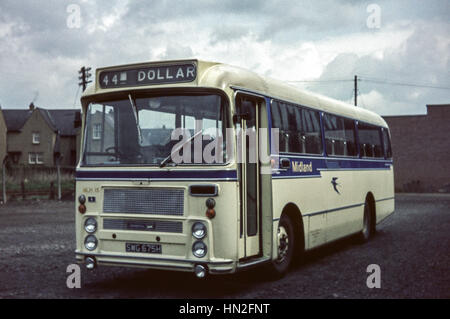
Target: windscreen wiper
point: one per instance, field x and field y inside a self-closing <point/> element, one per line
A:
<point x="136" y="118"/>
<point x="169" y="158"/>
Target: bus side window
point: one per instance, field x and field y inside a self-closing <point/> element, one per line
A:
<point x="312" y="131"/>
<point x="370" y="140"/>
<point x="339" y="135"/>
<point x="299" y="128"/>
<point x="295" y="144"/>
<point x="350" y="138"/>
<point x="334" y="134"/>
<point x="378" y="151"/>
<point x="387" y="143"/>
<point x="277" y="123"/>
<point x="296" y="122"/>
<point x="280" y="121"/>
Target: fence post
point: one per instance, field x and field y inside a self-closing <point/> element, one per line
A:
<point x="23" y="174"/>
<point x="58" y="171"/>
<point x="22" y="186"/>
<point x="4" y="180"/>
<point x="52" y="190"/>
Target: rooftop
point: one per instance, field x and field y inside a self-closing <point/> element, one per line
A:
<point x="61" y="120"/>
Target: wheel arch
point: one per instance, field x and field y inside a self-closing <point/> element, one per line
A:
<point x="294" y="214"/>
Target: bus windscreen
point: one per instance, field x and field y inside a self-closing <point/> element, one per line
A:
<point x="146" y="130"/>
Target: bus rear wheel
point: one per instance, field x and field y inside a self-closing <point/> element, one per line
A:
<point x="286" y="248"/>
<point x="368" y="224"/>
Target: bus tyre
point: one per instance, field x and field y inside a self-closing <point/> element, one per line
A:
<point x="368" y="227"/>
<point x="285" y="243"/>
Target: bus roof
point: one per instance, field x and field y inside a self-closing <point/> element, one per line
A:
<point x="224" y="76"/>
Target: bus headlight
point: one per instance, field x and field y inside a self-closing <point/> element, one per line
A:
<point x="199" y="249"/>
<point x="199" y="230"/>
<point x="90" y="225"/>
<point x="90" y="242"/>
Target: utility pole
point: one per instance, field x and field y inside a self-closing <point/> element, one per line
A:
<point x="356" y="90"/>
<point x="84" y="77"/>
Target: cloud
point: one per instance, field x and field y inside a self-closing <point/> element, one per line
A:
<point x="420" y="56"/>
<point x="378" y="103"/>
<point x="174" y="51"/>
<point x="288" y="40"/>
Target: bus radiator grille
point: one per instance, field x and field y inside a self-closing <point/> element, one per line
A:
<point x="154" y="201"/>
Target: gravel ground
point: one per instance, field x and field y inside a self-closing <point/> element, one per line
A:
<point x="412" y="248"/>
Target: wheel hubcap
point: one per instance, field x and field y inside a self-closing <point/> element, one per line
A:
<point x="283" y="244"/>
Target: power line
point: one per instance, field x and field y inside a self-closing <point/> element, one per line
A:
<point x="76" y="95"/>
<point x="312" y="81"/>
<point x="374" y="80"/>
<point x="381" y="81"/>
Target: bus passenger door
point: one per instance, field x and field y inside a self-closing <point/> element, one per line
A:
<point x="247" y="123"/>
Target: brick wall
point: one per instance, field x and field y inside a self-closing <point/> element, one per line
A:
<point x="421" y="150"/>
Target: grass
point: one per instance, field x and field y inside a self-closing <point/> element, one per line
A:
<point x="38" y="179"/>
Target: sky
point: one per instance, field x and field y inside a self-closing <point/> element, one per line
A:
<point x="400" y="50"/>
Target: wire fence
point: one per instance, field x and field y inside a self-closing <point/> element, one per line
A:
<point x="21" y="182"/>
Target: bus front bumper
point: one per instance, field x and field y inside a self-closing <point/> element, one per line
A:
<point x="215" y="266"/>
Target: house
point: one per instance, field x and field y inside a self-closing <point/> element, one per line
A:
<point x="101" y="135"/>
<point x="420" y="145"/>
<point x="38" y="136"/>
<point x="68" y="136"/>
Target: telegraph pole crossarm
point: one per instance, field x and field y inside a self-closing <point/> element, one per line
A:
<point x="84" y="77"/>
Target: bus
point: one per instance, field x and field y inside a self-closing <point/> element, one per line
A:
<point x="209" y="168"/>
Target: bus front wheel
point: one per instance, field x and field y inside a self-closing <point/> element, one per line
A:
<point x="285" y="247"/>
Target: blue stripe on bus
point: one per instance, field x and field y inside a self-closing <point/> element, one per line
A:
<point x="172" y="174"/>
<point x="319" y="163"/>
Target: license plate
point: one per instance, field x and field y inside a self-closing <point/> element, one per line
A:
<point x="143" y="248"/>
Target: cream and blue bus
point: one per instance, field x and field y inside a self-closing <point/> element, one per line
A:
<point x="208" y="168"/>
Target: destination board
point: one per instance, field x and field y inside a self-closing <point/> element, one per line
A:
<point x="150" y="75"/>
